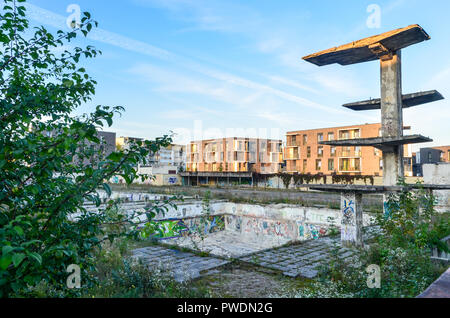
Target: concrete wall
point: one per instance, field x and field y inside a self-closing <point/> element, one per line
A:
<point x="438" y="174"/>
<point x="310" y="198"/>
<point x="158" y="178"/>
<point x="280" y="221"/>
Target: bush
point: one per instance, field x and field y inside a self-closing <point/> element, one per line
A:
<point x="51" y="162"/>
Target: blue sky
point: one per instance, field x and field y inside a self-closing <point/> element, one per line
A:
<point x="211" y="68"/>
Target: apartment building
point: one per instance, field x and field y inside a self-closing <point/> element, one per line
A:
<point x="304" y="154"/>
<point x="429" y="155"/>
<point x="164" y="165"/>
<point x="235" y="155"/>
<point x="172" y="157"/>
<point x="106" y="146"/>
<point x="445" y="153"/>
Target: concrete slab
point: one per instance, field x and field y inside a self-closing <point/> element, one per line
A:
<point x="306" y="258"/>
<point x="408" y="100"/>
<point x="371" y="48"/>
<point x="228" y="244"/>
<point x="182" y="266"/>
<point x="379" y="142"/>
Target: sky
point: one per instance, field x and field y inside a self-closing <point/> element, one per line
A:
<point x="207" y="68"/>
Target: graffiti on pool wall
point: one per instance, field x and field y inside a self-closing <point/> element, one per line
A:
<point x="172" y="180"/>
<point x="163" y="229"/>
<point x="311" y="231"/>
<point x="204" y="225"/>
<point x="176" y="228"/>
<point x="259" y="226"/>
<point x="348" y="212"/>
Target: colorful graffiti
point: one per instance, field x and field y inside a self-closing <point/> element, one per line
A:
<point x="348" y="212"/>
<point x="176" y="228"/>
<point x="172" y="180"/>
<point x="164" y="229"/>
<point x="311" y="231"/>
<point x="259" y="226"/>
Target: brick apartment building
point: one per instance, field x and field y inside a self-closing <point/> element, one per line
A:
<point x="303" y="154"/>
<point x="233" y="155"/>
<point x="445" y="154"/>
<point x="429" y="155"/>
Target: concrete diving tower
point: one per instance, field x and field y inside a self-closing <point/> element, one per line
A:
<point x="386" y="48"/>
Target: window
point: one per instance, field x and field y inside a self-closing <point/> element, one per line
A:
<point x="330" y="136"/>
<point x="346" y="151"/>
<point x="292" y="153"/>
<point x="305" y="139"/>
<point x="358" y="151"/>
<point x="320" y="137"/>
<point x="381" y="164"/>
<point x="377" y="152"/>
<point x="349" y="134"/>
<point x="293" y="140"/>
<point x="305" y="164"/>
<point x="330" y="164"/>
<point x="350" y="165"/>
<point x="333" y="151"/>
<point x="344" y="135"/>
<point x="308" y="152"/>
<point x="320" y="151"/>
<point x="318" y="164"/>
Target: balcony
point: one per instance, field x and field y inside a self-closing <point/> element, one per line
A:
<point x="275" y="157"/>
<point x="296" y="143"/>
<point x="352" y="165"/>
<point x="349" y="154"/>
<point x="349" y="134"/>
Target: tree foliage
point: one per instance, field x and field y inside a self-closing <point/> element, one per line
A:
<point x="44" y="177"/>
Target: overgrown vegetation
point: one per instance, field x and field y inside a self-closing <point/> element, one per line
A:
<point x="119" y="276"/>
<point x="410" y="228"/>
<point x="51" y="162"/>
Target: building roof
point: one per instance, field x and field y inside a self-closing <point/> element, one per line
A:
<point x="369" y="49"/>
<point x="234" y="138"/>
<point x="330" y="128"/>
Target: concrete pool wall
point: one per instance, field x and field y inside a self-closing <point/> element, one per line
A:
<point x="291" y="222"/>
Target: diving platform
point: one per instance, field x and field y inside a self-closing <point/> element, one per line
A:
<point x="371" y="48"/>
<point x="378" y="142"/>
<point x="408" y="100"/>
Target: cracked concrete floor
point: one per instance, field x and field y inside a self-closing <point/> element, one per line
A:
<point x="228" y="244"/>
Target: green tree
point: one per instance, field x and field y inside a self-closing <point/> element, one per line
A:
<point x="44" y="178"/>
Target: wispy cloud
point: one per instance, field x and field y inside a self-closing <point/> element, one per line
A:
<point x="207" y="15"/>
<point x="55" y="20"/>
<point x="233" y="89"/>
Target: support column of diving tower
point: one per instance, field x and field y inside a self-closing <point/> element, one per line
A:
<point x="386" y="48"/>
